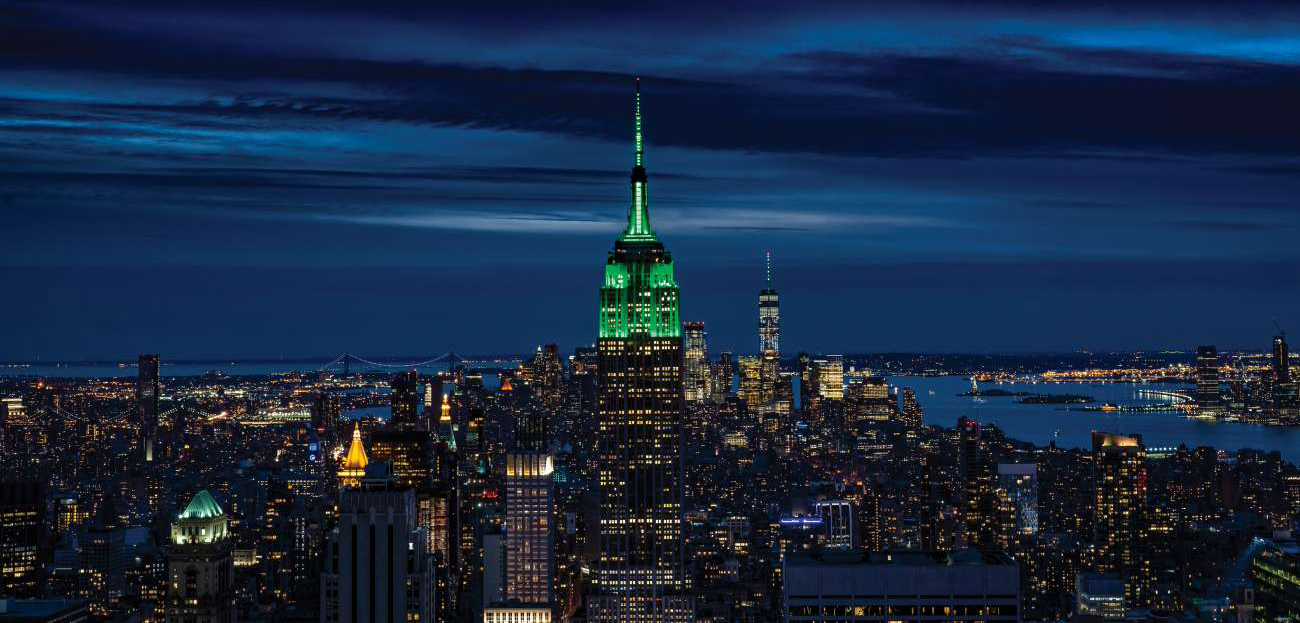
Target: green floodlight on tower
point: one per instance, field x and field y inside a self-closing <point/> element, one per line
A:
<point x="639" y="296"/>
<point x="638" y="214"/>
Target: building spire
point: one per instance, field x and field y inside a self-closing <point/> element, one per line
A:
<point x="638" y="214"/>
<point x="640" y="153"/>
<point x="768" y="270"/>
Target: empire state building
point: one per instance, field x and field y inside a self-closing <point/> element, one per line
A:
<point x="640" y="574"/>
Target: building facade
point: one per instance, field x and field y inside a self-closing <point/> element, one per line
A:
<point x="200" y="568"/>
<point x="640" y="573"/>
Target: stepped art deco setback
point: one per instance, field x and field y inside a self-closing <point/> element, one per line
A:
<point x="640" y="573"/>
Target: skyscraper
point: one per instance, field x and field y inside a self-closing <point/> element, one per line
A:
<point x="1017" y="489"/>
<point x="769" y="313"/>
<point x="979" y="505"/>
<point x="201" y="585"/>
<point x="529" y="535"/>
<point x="639" y="572"/>
<point x="697" y="363"/>
<point x="354" y="462"/>
<point x="1120" y="511"/>
<point x="769" y="341"/>
<point x="1207" y="380"/>
<point x="912" y="413"/>
<point x="405" y="400"/>
<point x="147" y="388"/>
<point x="377" y="564"/>
<point x="830" y="377"/>
<point x="22" y="532"/>
<point x="1281" y="363"/>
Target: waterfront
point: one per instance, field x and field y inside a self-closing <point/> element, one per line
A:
<point x="1042" y="423"/>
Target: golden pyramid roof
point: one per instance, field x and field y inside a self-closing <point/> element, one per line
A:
<point x="356" y="460"/>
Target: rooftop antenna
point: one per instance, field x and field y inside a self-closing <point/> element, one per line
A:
<point x="768" y="272"/>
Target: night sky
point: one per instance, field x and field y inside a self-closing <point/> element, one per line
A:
<point x="254" y="179"/>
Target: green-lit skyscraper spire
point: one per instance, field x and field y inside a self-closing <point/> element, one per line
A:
<point x="638" y="214"/>
<point x="640" y="575"/>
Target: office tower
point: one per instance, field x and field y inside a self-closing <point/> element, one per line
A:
<point x="1207" y="380"/>
<point x="69" y="514"/>
<point x="103" y="560"/>
<point x="1017" y="490"/>
<point x="979" y="504"/>
<point x="912" y="414"/>
<point x="807" y="380"/>
<point x="1281" y="361"/>
<point x="409" y="451"/>
<point x="1275" y="572"/>
<point x="639" y="572"/>
<point x="529" y="535"/>
<point x="377" y="564"/>
<point x="353" y="468"/>
<point x="432" y="397"/>
<point x="22" y="535"/>
<point x="724" y="376"/>
<point x="325" y="414"/>
<point x="901" y="586"/>
<point x="201" y="587"/>
<point x="1285" y="399"/>
<point x="830" y="377"/>
<point x="147" y="389"/>
<point x="769" y="313"/>
<point x="405" y="398"/>
<point x="839" y="521"/>
<point x="697" y="363"/>
<point x="751" y="382"/>
<point x="1120" y="512"/>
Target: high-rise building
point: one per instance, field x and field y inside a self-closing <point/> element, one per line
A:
<point x="409" y="451"/>
<point x="769" y="313"/>
<point x="1281" y="361"/>
<point x="979" y="504"/>
<point x="22" y="534"/>
<point x="1017" y="490"/>
<point x="103" y="560"/>
<point x="377" y="564"/>
<point x="1120" y="512"/>
<point x="1275" y="571"/>
<point x="912" y="414"/>
<point x="830" y="377"/>
<point x="405" y="399"/>
<point x="697" y="363"/>
<point x="807" y="380"/>
<point x="201" y="583"/>
<point x="529" y="535"/>
<point x="1208" y="399"/>
<point x="840" y="523"/>
<point x="640" y="573"/>
<point x="353" y="468"/>
<point x="325" y="414"/>
<point x="724" y="375"/>
<point x="751" y="382"/>
<point x="147" y="388"/>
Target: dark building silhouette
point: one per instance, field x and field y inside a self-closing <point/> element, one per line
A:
<point x="147" y="388"/>
<point x="22" y="537"/>
<point x="405" y="400"/>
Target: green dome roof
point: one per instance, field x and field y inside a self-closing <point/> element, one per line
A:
<point x="202" y="507"/>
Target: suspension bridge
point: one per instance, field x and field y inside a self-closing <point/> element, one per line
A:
<point x="347" y="359"/>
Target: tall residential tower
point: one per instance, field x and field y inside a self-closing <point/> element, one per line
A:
<point x="640" y="573"/>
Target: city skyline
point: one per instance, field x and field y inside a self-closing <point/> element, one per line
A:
<point x="269" y="194"/>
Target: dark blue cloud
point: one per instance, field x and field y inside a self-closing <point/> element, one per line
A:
<point x="941" y="176"/>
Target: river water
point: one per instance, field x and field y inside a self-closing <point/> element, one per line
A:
<point x="1041" y="424"/>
